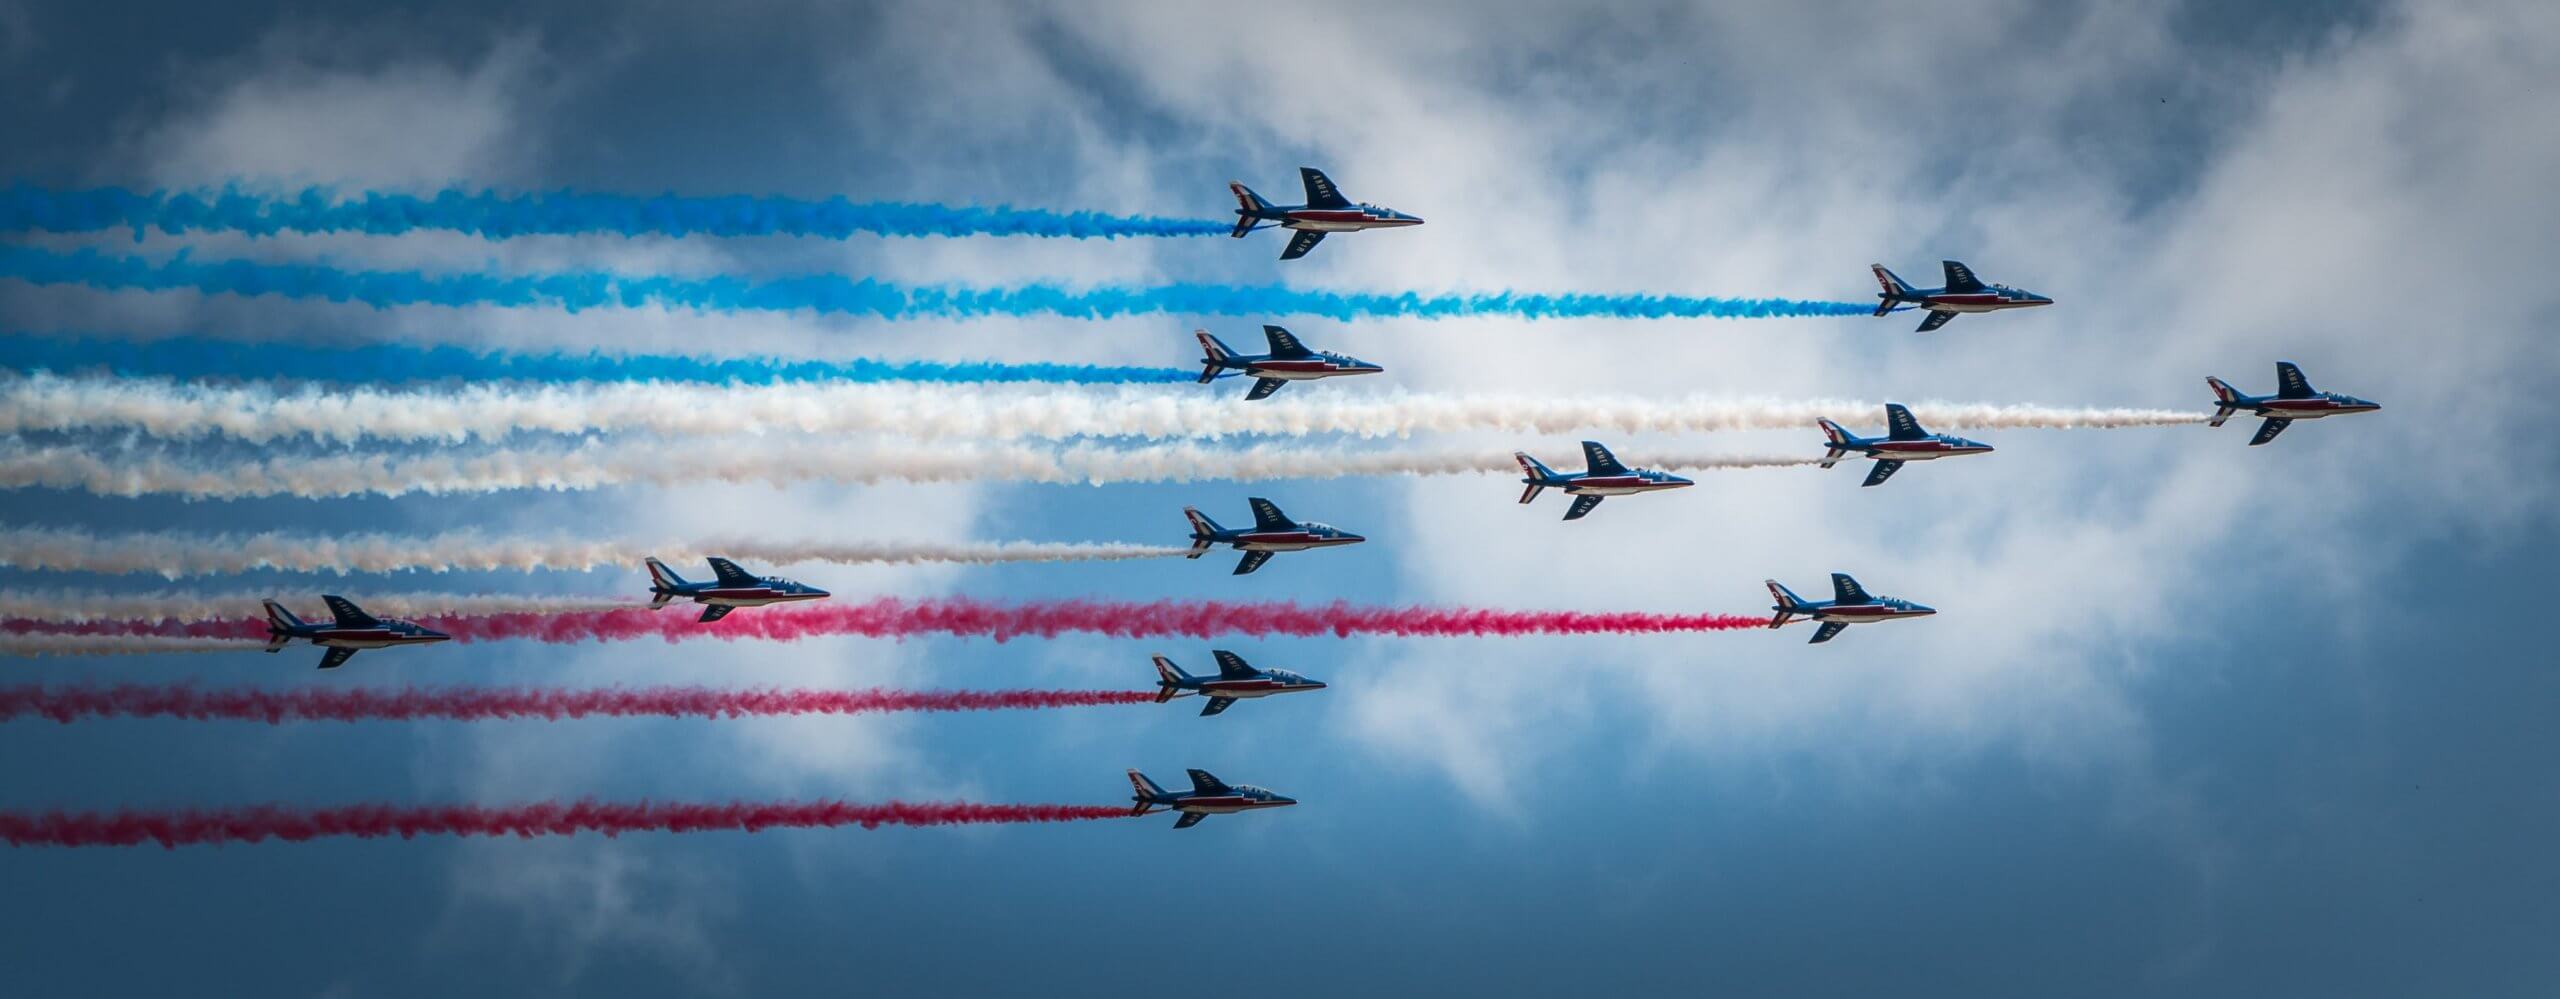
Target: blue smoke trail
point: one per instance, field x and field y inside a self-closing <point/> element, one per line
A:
<point x="197" y="357"/>
<point x="861" y="296"/>
<point x="491" y="215"/>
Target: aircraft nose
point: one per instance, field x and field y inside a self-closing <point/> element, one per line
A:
<point x="1349" y="538"/>
<point x="818" y="594"/>
<point x="1923" y="610"/>
<point x="438" y="636"/>
<point x="1283" y="800"/>
<point x="1677" y="481"/>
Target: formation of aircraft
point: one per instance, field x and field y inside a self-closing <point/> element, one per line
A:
<point x="1849" y="604"/>
<point x="1208" y="796"/>
<point x="2295" y="399"/>
<point x="1904" y="440"/>
<point x="1235" y="680"/>
<point x="1602" y="477"/>
<point x="1272" y="531"/>
<point x="729" y="589"/>
<point x="1963" y="293"/>
<point x="1326" y="211"/>
<point x="351" y="631"/>
<point x="1288" y="361"/>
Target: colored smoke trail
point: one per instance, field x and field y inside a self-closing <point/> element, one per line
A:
<point x="833" y="293"/>
<point x="492" y="215"/>
<point x="68" y="704"/>
<point x="74" y="605"/>
<point x="892" y="618"/>
<point x="176" y="827"/>
<point x="262" y="414"/>
<point x="200" y="357"/>
<point x="175" y="555"/>
<point x="767" y="461"/>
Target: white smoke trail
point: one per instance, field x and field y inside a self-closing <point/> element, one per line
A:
<point x="261" y="414"/>
<point x="766" y="461"/>
<point x="74" y="606"/>
<point x="175" y="556"/>
<point x="116" y="645"/>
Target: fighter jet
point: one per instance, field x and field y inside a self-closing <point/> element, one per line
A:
<point x="1288" y="361"/>
<point x="1234" y="680"/>
<point x="353" y="631"/>
<point x="1850" y="604"/>
<point x="1601" y="478"/>
<point x="1326" y="211"/>
<point x="2294" y="400"/>
<point x="1963" y="293"/>
<point x="730" y="588"/>
<point x="1903" y="441"/>
<point x="1272" y="531"/>
<point x="1208" y="796"/>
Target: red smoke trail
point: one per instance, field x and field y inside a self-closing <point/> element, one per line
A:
<point x="901" y="618"/>
<point x="68" y="704"/>
<point x="256" y="823"/>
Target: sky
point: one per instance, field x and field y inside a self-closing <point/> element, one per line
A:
<point x="2195" y="718"/>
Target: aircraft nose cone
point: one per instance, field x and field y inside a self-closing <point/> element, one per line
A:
<point x="1352" y="539"/>
<point x="1923" y="610"/>
<point x="1678" y="482"/>
<point x="438" y="636"/>
<point x="1284" y="801"/>
<point x="818" y="594"/>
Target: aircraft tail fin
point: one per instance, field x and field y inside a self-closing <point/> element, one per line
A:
<point x="1896" y="290"/>
<point x="662" y="579"/>
<point x="2226" y="398"/>
<point x="1788" y="604"/>
<point x="1537" y="471"/>
<point x="1169" y="679"/>
<point x="1144" y="792"/>
<point x="280" y="625"/>
<point x="1203" y="530"/>
<point x="1840" y="439"/>
<point x="1214" y="354"/>
<point x="1249" y="208"/>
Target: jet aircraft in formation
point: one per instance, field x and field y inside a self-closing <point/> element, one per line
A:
<point x="1272" y="531"/>
<point x="351" y="631"/>
<point x="1849" y="604"/>
<point x="1326" y="211"/>
<point x="1208" y="796"/>
<point x="1962" y="293"/>
<point x="1234" y="680"/>
<point x="1288" y="361"/>
<point x="729" y="589"/>
<point x="1904" y="440"/>
<point x="1601" y="478"/>
<point x="2295" y="399"/>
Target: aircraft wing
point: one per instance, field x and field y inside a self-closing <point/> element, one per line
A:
<point x="715" y="612"/>
<point x="1267" y="515"/>
<point x="1883" y="470"/>
<point x="1252" y="561"/>
<point x="1189" y="819"/>
<point x="336" y="658"/>
<point x="1847" y="591"/>
<point x="1582" y="507"/>
<point x="1598" y="461"/>
<point x="1299" y="244"/>
<point x="1320" y="190"/>
<point x="1203" y="782"/>
<point x="1902" y="426"/>
<point x="2290" y="384"/>
<point x="1285" y="343"/>
<point x="348" y="614"/>
<point x="2267" y="431"/>
<point x="1215" y="705"/>
<point x="1828" y="629"/>
<point x="1232" y="666"/>
<point x="729" y="574"/>
<point x="1937" y="318"/>
<point x="1263" y="387"/>
<point x="1960" y="277"/>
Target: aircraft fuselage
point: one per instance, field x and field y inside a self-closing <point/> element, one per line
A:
<point x="750" y="596"/>
<point x="1250" y="687"/>
<point x="1619" y="485"/>
<point x="1340" y="220"/>
<point x="369" y="638"/>
<point x="1978" y="301"/>
<point x="1919" y="450"/>
<point x="1288" y="541"/>
<point x="2307" y="409"/>
<point x="1299" y="369"/>
<point x="1867" y="613"/>
<point x="1226" y="804"/>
